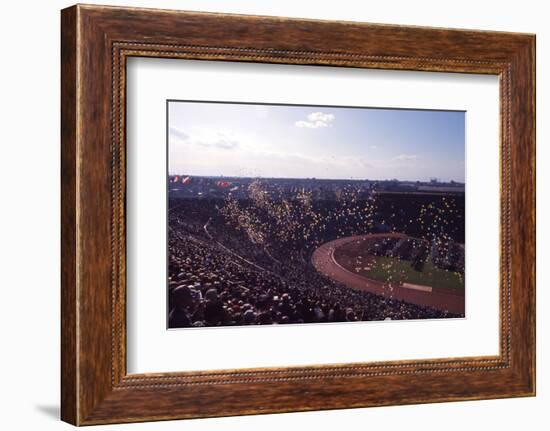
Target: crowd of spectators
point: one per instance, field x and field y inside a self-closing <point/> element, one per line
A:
<point x="446" y="255"/>
<point x="218" y="278"/>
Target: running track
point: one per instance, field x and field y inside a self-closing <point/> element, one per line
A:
<point x="323" y="260"/>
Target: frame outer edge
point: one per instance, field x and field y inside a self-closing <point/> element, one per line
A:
<point x="523" y="216"/>
<point x="69" y="202"/>
<point x="533" y="54"/>
<point x="531" y="83"/>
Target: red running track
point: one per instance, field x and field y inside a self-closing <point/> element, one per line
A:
<point x="323" y="260"/>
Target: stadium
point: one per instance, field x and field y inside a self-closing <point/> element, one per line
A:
<point x="245" y="251"/>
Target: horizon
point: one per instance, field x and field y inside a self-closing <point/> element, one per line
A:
<point x="438" y="180"/>
<point x="301" y="142"/>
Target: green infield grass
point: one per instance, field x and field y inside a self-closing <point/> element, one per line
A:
<point x="394" y="270"/>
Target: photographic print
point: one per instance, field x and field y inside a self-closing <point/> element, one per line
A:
<point x="300" y="214"/>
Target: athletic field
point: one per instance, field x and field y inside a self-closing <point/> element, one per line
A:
<point x="344" y="260"/>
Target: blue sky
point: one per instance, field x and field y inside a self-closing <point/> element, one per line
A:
<point x="310" y="141"/>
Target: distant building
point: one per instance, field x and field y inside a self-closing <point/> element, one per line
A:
<point x="442" y="189"/>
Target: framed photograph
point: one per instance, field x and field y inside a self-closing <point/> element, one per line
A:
<point x="324" y="214"/>
<point x="286" y="229"/>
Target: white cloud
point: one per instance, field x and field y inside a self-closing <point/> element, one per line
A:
<point x="316" y="120"/>
<point x="178" y="133"/>
<point x="206" y="138"/>
<point x="405" y="157"/>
